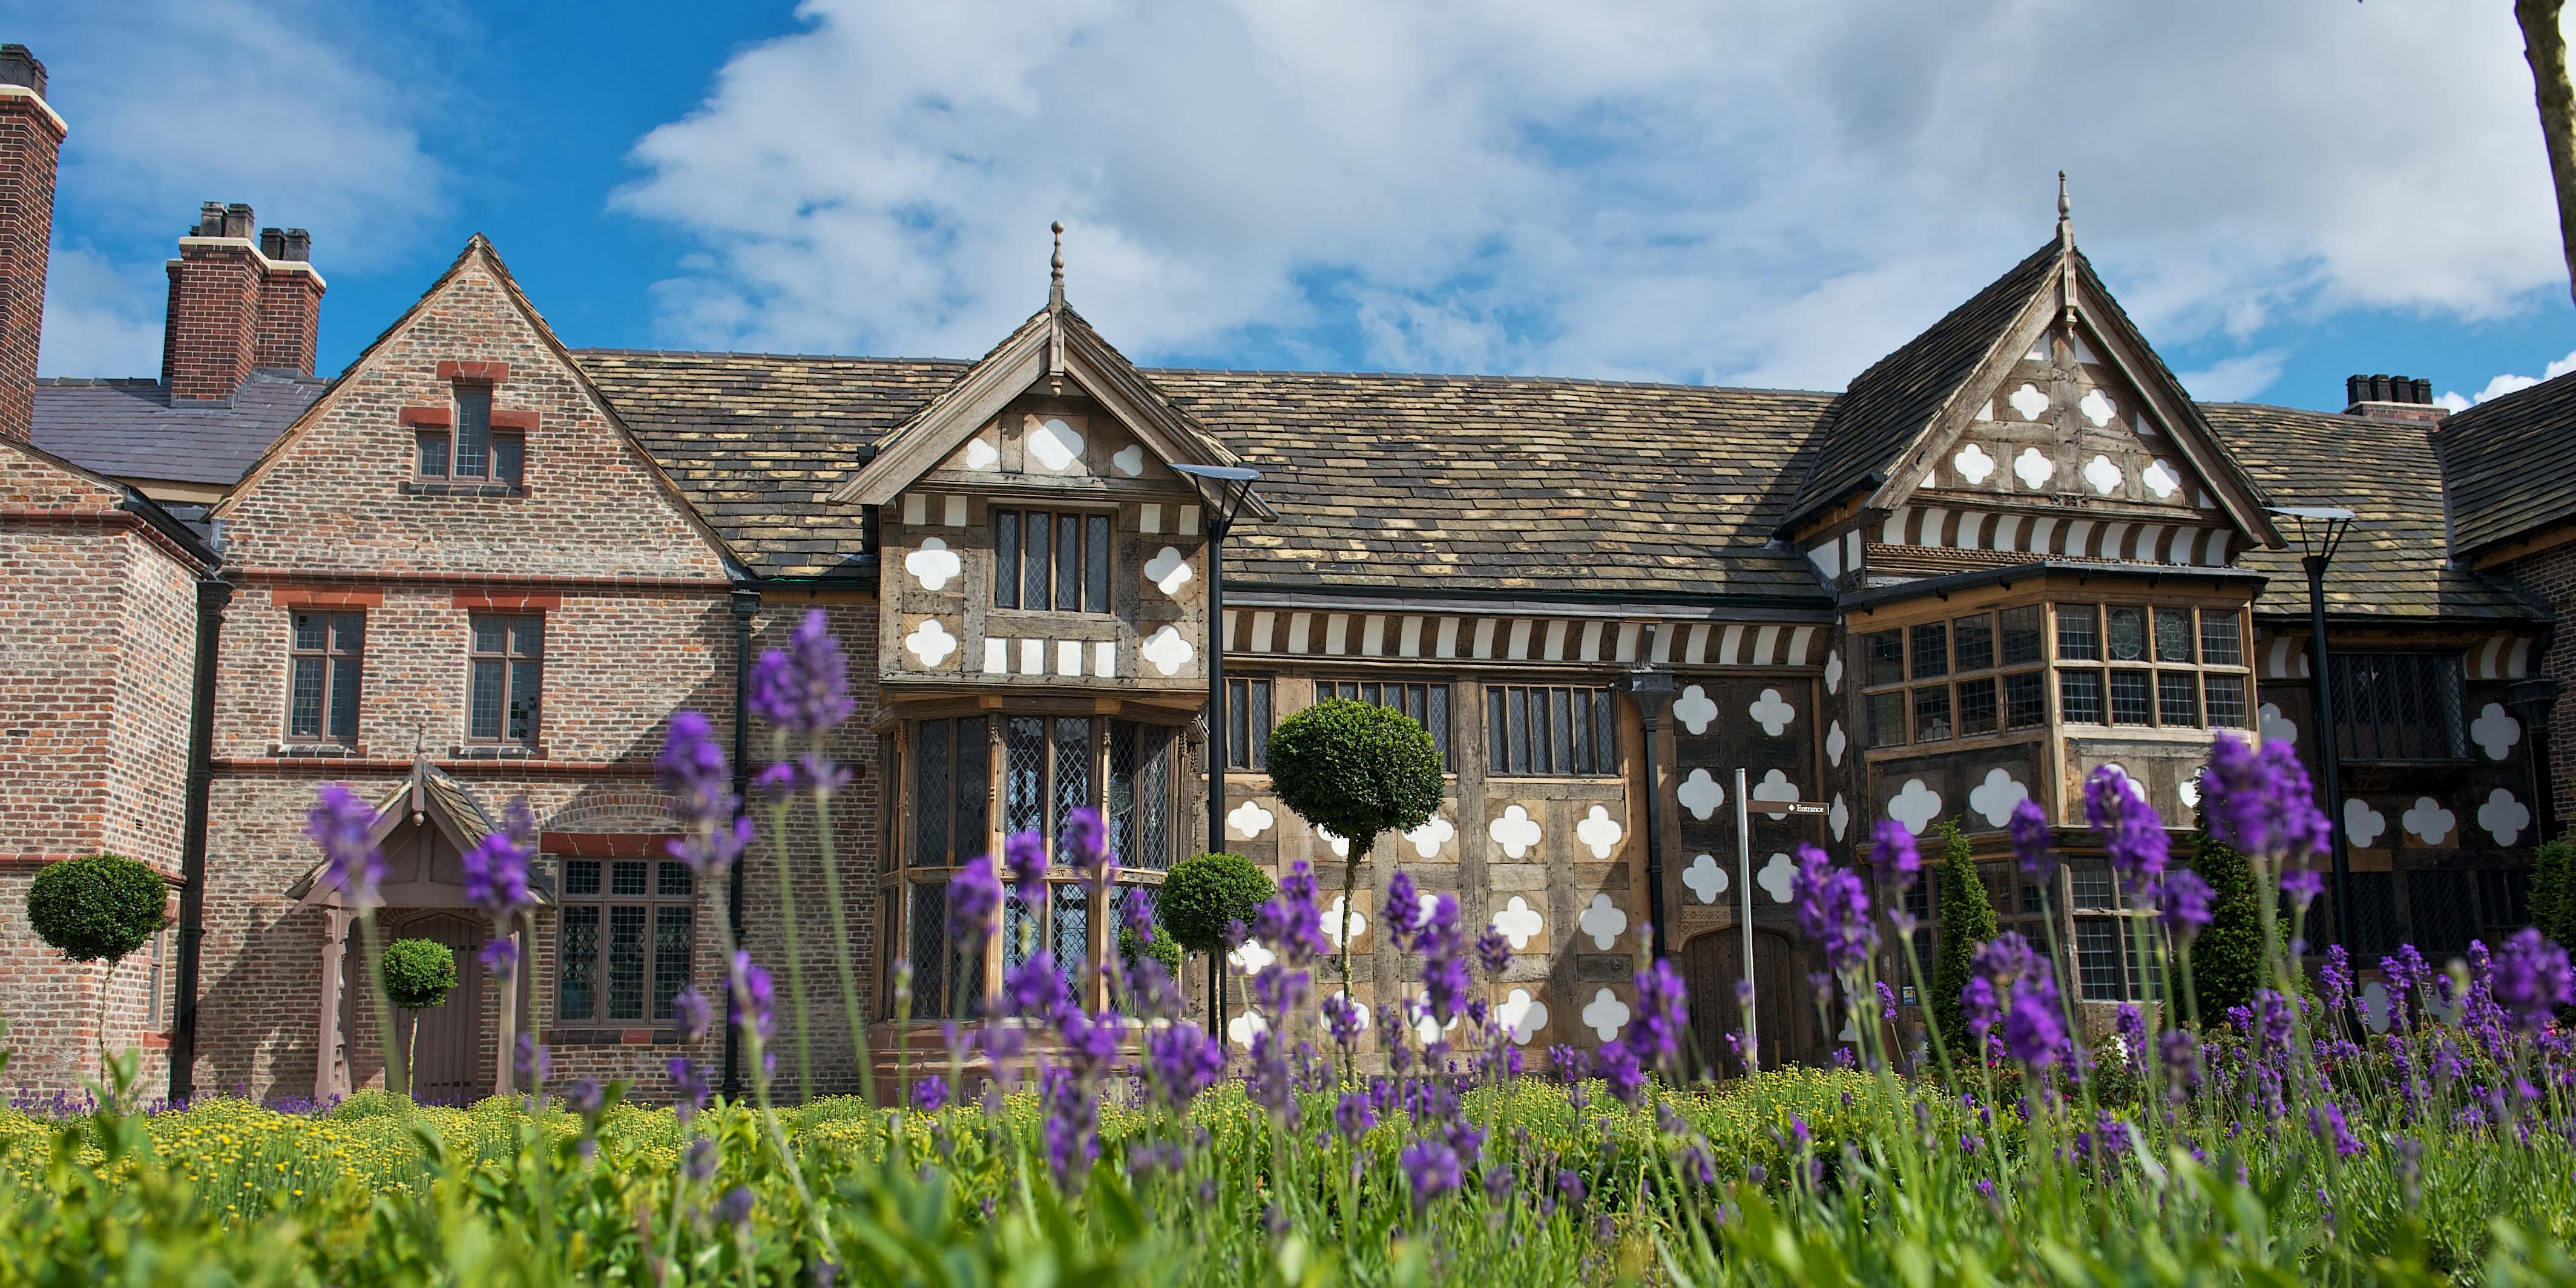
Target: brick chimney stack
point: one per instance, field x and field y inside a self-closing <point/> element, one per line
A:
<point x="238" y="303"/>
<point x="2392" y="398"/>
<point x="31" y="142"/>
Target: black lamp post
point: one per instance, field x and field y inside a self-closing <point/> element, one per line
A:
<point x="2322" y="529"/>
<point x="1233" y="488"/>
<point x="1651" y="688"/>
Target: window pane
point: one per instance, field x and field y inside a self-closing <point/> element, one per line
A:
<point x="1153" y="799"/>
<point x="2091" y="886"/>
<point x="1069" y="930"/>
<point x="348" y="633"/>
<point x="674" y="933"/>
<point x="577" y="971"/>
<point x="1435" y="717"/>
<point x="2097" y="957"/>
<point x="490" y="634"/>
<point x="626" y="877"/>
<point x="581" y="876"/>
<point x="1072" y="768"/>
<point x="311" y="630"/>
<point x="2128" y="634"/>
<point x="1605" y="743"/>
<point x="2079" y="697"/>
<point x="972" y="777"/>
<point x="931" y="743"/>
<point x="1977" y="706"/>
<point x="1887" y="719"/>
<point x="2173" y="634"/>
<point x="1932" y="714"/>
<point x="1883" y="657"/>
<point x="527" y="679"/>
<point x="1095" y="595"/>
<point x="2226" y="695"/>
<point x="507" y="451"/>
<point x="1120" y="811"/>
<point x="1021" y="919"/>
<point x="673" y="880"/>
<point x="1497" y="733"/>
<point x="1024" y="774"/>
<point x="2025" y="700"/>
<point x="2129" y="701"/>
<point x="928" y="951"/>
<point x="1035" y="564"/>
<point x="1931" y="650"/>
<point x="1560" y="727"/>
<point x="2220" y="642"/>
<point x="1973" y="638"/>
<point x="473" y="430"/>
<point x="1006" y="558"/>
<point x="527" y="636"/>
<point x="433" y="456"/>
<point x="1068" y="563"/>
<point x="1260" y="746"/>
<point x="304" y="699"/>
<point x="2177" y="698"/>
<point x="626" y="962"/>
<point x="2079" y="636"/>
<point x="2022" y="643"/>
<point x="1522" y="761"/>
<point x="483" y="718"/>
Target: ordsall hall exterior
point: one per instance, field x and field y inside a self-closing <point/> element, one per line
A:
<point x="480" y="564"/>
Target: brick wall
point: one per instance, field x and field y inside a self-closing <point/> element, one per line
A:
<point x="211" y="332"/>
<point x="30" y="145"/>
<point x="289" y="325"/>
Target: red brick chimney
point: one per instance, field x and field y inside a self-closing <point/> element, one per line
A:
<point x="2405" y="398"/>
<point x="31" y="141"/>
<point x="237" y="304"/>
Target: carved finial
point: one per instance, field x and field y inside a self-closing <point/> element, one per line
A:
<point x="2065" y="224"/>
<point x="1055" y="266"/>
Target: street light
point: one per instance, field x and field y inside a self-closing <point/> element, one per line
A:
<point x="2322" y="529"/>
<point x="1651" y="688"/>
<point x="1233" y="488"/>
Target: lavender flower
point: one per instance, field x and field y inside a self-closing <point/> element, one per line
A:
<point x="1431" y="1166"/>
<point x="1403" y="912"/>
<point x="1084" y="843"/>
<point x="698" y="1161"/>
<point x="693" y="770"/>
<point x="1619" y="1067"/>
<point x="500" y="959"/>
<point x="1444" y="971"/>
<point x="1654" y="1036"/>
<point x="2031" y="836"/>
<point x="806" y="688"/>
<point x="1071" y="1129"/>
<point x="2303" y="886"/>
<point x="692" y="1085"/>
<point x="1183" y="1060"/>
<point x="690" y="1014"/>
<point x="1353" y="1115"/>
<point x="930" y="1095"/>
<point x="2128" y="825"/>
<point x="974" y="900"/>
<point x="531" y="1062"/>
<point x="2531" y="980"/>
<point x="1978" y="1004"/>
<point x="1288" y="924"/>
<point x="2260" y="801"/>
<point x="752" y="985"/>
<point x="1024" y="858"/>
<point x="2033" y="1031"/>
<point x="1833" y="908"/>
<point x="1036" y="989"/>
<point x="1894" y="853"/>
<point x="1493" y="952"/>
<point x="496" y="869"/>
<point x="734" y="1209"/>
<point x="2182" y="900"/>
<point x="344" y="826"/>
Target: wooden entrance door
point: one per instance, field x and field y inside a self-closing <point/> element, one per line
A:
<point x="1711" y="967"/>
<point x="449" y="1036"/>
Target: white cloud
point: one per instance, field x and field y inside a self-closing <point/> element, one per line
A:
<point x="2507" y="383"/>
<point x="2235" y="379"/>
<point x="102" y="317"/>
<point x="1573" y="189"/>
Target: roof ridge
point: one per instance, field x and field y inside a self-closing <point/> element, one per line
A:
<point x="1474" y="378"/>
<point x="98" y="382"/>
<point x="613" y="351"/>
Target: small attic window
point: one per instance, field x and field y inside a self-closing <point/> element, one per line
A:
<point x="473" y="450"/>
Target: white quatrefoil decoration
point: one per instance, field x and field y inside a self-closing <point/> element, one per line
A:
<point x="1839" y="816"/>
<point x="981" y="455"/>
<point x="1914" y="805"/>
<point x="2102" y="475"/>
<point x="1521" y="1015"/>
<point x="1055" y="444"/>
<point x="2028" y="402"/>
<point x="1777" y="877"/>
<point x="1168" y="570"/>
<point x="1701" y="794"/>
<point x="1603" y="921"/>
<point x="1706" y="878"/>
<point x="1994" y="798"/>
<point x="1695" y="709"/>
<point x="1772" y="713"/>
<point x="1332" y="917"/>
<point x="1130" y="460"/>
<point x="2161" y="480"/>
<point x="1606" y="1014"/>
<point x="1341" y="845"/>
<point x="1247" y="1026"/>
<point x="1973" y="464"/>
<point x="934" y="565"/>
<point x="2188" y="786"/>
<point x="1250" y="957"/>
<point x="1428" y="838"/>
<point x="2097" y="408"/>
<point x="1168" y="650"/>
<point x="2375" y="1012"/>
<point x="1833" y="673"/>
<point x="2362" y="825"/>
<point x="1425" y="1029"/>
<point x="1775" y="786"/>
<point x="2275" y="726"/>
<point x="2429" y="821"/>
<point x="1518" y="923"/>
<point x="1515" y="831"/>
<point x="2034" y="468"/>
<point x="1359" y="1010"/>
<point x="2495" y="731"/>
<point x="2503" y="817"/>
<point x="1250" y="820"/>
<point x="1834" y="744"/>
<point x="930" y="642"/>
<point x="1599" y="832"/>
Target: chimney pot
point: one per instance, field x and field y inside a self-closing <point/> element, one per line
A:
<point x="272" y="242"/>
<point x="19" y="67"/>
<point x="2423" y="391"/>
<point x="299" y="244"/>
<point x="238" y="220"/>
<point x="2379" y="388"/>
<point x="210" y="220"/>
<point x="2356" y="389"/>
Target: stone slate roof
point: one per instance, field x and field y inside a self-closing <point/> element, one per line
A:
<point x="1897" y="398"/>
<point x="127" y="428"/>
<point x="1403" y="484"/>
<point x="2510" y="464"/>
<point x="2395" y="564"/>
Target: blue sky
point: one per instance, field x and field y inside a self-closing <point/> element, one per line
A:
<point x="1744" y="193"/>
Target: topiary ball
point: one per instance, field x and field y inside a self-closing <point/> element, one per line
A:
<point x="1204" y="893"/>
<point x="1162" y="948"/>
<point x="1356" y="769"/>
<point x="418" y="973"/>
<point x="98" y="908"/>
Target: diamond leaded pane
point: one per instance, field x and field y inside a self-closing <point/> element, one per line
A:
<point x="577" y="980"/>
<point x="1154" y="800"/>
<point x="972" y="773"/>
<point x="931" y="747"/>
<point x="1022" y="919"/>
<point x="1071" y="940"/>
<point x="1024" y="774"/>
<point x="1072" y="768"/>
<point x="1122" y="789"/>
<point x="626" y="962"/>
<point x="674" y="936"/>
<point x="929" y="951"/>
